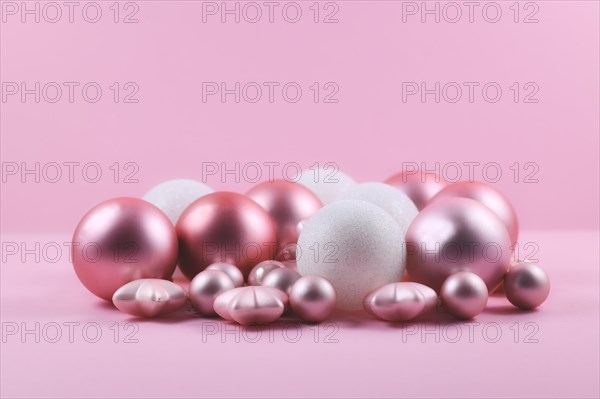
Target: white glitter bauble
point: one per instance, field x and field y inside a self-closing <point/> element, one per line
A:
<point x="173" y="196"/>
<point x="326" y="183"/>
<point x="390" y="199"/>
<point x="356" y="245"/>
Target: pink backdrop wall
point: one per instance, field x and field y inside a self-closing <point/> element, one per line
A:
<point x="369" y="132"/>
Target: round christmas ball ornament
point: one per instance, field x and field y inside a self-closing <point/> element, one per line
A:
<point x="356" y="245"/>
<point x="173" y="196"/>
<point x="224" y="227"/>
<point x="419" y="186"/>
<point x="391" y="200"/>
<point x="488" y="196"/>
<point x="457" y="234"/>
<point x="233" y="272"/>
<point x="149" y="297"/>
<point x="327" y="182"/>
<point x="288" y="204"/>
<point x="526" y="285"/>
<point x="312" y="298"/>
<point x="281" y="278"/>
<point x="258" y="272"/>
<point x="122" y="240"/>
<point x="205" y="287"/>
<point x="464" y="294"/>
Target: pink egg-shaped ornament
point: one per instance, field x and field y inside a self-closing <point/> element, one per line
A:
<point x="396" y="302"/>
<point x="418" y="185"/>
<point x="122" y="240"/>
<point x="526" y="285"/>
<point x="233" y="272"/>
<point x="288" y="204"/>
<point x="255" y="305"/>
<point x="488" y="196"/>
<point x="457" y="234"/>
<point x="464" y="295"/>
<point x="429" y="294"/>
<point x="224" y="227"/>
<point x="281" y="278"/>
<point x="258" y="272"/>
<point x="312" y="298"/>
<point x="221" y="304"/>
<point x="149" y="297"/>
<point x="205" y="287"/>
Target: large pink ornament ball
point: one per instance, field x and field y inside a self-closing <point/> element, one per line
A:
<point x="122" y="240"/>
<point x="489" y="197"/>
<point x="457" y="234"/>
<point x="419" y="186"/>
<point x="288" y="204"/>
<point x="526" y="285"/>
<point x="464" y="294"/>
<point x="224" y="227"/>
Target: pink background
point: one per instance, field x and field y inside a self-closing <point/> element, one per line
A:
<point x="369" y="133"/>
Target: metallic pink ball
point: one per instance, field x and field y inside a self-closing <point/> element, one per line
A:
<point x="312" y="298"/>
<point x="488" y="196"/>
<point x="258" y="272"/>
<point x="464" y="294"/>
<point x="526" y="285"/>
<point x="281" y="278"/>
<point x="457" y="234"/>
<point x="288" y="204"/>
<point x="205" y="287"/>
<point x="122" y="240"/>
<point x="419" y="186"/>
<point x="224" y="227"/>
<point x="233" y="272"/>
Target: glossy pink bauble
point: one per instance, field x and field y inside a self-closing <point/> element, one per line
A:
<point x="420" y="187"/>
<point x="464" y="294"/>
<point x="121" y="240"/>
<point x="258" y="272"/>
<point x="281" y="278"/>
<point x="312" y="298"/>
<point x="457" y="234"/>
<point x="400" y="301"/>
<point x="221" y="304"/>
<point x="255" y="305"/>
<point x="488" y="196"/>
<point x="288" y="204"/>
<point x="149" y="297"/>
<point x="224" y="227"/>
<point x="233" y="272"/>
<point x="205" y="287"/>
<point x="526" y="285"/>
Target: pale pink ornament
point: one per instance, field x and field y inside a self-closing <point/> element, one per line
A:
<point x="526" y="285"/>
<point x="488" y="196"/>
<point x="418" y="185"/>
<point x="258" y="272"/>
<point x="233" y="272"/>
<point x="149" y="297"/>
<point x="281" y="278"/>
<point x="457" y="234"/>
<point x="255" y="305"/>
<point x="122" y="240"/>
<point x="400" y="301"/>
<point x="222" y="300"/>
<point x="205" y="287"/>
<point x="464" y="295"/>
<point x="312" y="298"/>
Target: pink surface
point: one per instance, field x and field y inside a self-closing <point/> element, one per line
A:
<point x="556" y="354"/>
<point x="370" y="132"/>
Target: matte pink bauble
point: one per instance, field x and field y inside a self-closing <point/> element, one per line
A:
<point x="122" y="240"/>
<point x="419" y="186"/>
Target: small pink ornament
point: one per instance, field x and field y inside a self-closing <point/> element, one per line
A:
<point x="526" y="285"/>
<point x="122" y="240"/>
<point x="255" y="305"/>
<point x="224" y="227"/>
<point x="205" y="287"/>
<point x="419" y="186"/>
<point x="149" y="297"/>
<point x="222" y="300"/>
<point x="312" y="298"/>
<point x="400" y="301"/>
<point x="288" y="204"/>
<point x="464" y="294"/>
<point x="457" y="234"/>
<point x="488" y="196"/>
<point x="258" y="273"/>
<point x="281" y="278"/>
<point x="233" y="272"/>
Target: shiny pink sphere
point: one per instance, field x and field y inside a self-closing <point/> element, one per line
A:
<point x="312" y="298"/>
<point x="419" y="186"/>
<point x="457" y="234"/>
<point x="288" y="204"/>
<point x="122" y="240"/>
<point x="224" y="227"/>
<point x="526" y="285"/>
<point x="488" y="196"/>
<point x="464" y="294"/>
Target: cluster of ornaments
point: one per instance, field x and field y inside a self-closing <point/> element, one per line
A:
<point x="396" y="249"/>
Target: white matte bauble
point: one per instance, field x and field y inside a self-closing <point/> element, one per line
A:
<point x="173" y="196"/>
<point x="356" y="245"/>
<point x="327" y="183"/>
<point x="390" y="199"/>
